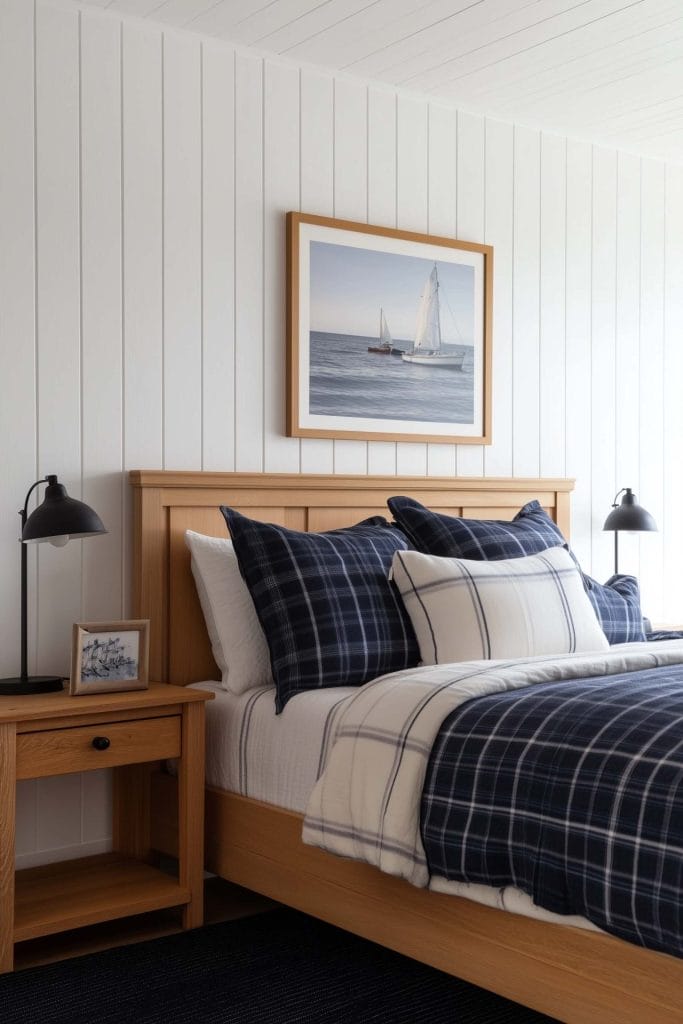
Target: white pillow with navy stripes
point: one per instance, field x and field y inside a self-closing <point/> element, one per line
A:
<point x="463" y="609"/>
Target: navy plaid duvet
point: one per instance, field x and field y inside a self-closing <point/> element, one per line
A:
<point x="572" y="792"/>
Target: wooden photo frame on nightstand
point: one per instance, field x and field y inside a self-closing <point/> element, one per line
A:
<point x="109" y="656"/>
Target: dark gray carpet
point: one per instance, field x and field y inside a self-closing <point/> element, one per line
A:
<point x="275" y="968"/>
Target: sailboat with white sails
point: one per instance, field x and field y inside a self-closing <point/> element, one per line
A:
<point x="427" y="350"/>
<point x="385" y="342"/>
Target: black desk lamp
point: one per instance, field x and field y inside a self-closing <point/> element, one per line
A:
<point x="629" y="515"/>
<point x="57" y="519"/>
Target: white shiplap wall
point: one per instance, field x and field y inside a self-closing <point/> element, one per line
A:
<point x="143" y="183"/>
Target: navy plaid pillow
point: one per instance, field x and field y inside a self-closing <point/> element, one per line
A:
<point x="617" y="605"/>
<point x="530" y="532"/>
<point x="330" y="615"/>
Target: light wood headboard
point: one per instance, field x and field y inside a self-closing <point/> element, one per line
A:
<point x="166" y="503"/>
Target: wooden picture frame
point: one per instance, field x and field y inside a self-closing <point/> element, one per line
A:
<point x="350" y="373"/>
<point x="109" y="656"/>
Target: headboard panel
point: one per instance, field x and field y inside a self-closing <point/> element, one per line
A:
<point x="166" y="503"/>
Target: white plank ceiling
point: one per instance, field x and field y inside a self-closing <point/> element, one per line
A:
<point x="606" y="70"/>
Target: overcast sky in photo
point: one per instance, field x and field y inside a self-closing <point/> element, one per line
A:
<point x="349" y="285"/>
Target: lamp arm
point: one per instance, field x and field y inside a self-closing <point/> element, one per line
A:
<point x="23" y="512"/>
<point x="616" y="496"/>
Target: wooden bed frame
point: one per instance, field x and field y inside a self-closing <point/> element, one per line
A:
<point x="577" y="976"/>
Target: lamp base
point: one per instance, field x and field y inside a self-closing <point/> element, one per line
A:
<point x="31" y="684"/>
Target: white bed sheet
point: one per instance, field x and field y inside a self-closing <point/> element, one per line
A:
<point x="277" y="759"/>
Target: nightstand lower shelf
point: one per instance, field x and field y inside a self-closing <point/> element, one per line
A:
<point x="58" y="897"/>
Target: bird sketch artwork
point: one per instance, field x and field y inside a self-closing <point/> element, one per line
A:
<point x="110" y="656"/>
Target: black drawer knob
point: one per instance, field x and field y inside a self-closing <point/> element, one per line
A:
<point x="101" y="742"/>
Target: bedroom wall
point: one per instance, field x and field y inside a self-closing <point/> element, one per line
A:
<point x="143" y="182"/>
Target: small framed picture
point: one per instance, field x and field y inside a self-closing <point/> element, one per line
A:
<point x="108" y="656"/>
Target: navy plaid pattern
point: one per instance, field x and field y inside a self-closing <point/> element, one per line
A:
<point x="329" y="613"/>
<point x="530" y="532"/>
<point x="617" y="606"/>
<point x="571" y="792"/>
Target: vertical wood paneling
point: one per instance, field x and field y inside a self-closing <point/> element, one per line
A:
<point x="627" y="376"/>
<point x="578" y="335"/>
<point x="101" y="305"/>
<point x="142" y="230"/>
<point x="316" y="196"/>
<point x="142" y="247"/>
<point x="603" y="288"/>
<point x="350" y="202"/>
<point x="182" y="253"/>
<point x="412" y="187"/>
<point x="280" y="193"/>
<point x="218" y="257"/>
<point x="673" y="406"/>
<point x="443" y="171"/>
<point x="381" y="210"/>
<point x="499" y="233"/>
<point x="652" y="469"/>
<point x="552" y="311"/>
<point x="59" y="315"/>
<point x="381" y="157"/>
<point x="17" y="319"/>
<point x="248" y="396"/>
<point x="350" y="150"/>
<point x="317" y="142"/>
<point x="526" y="278"/>
<point x="471" y="228"/>
<point x="441" y="214"/>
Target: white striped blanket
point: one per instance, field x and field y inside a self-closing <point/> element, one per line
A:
<point x="366" y="804"/>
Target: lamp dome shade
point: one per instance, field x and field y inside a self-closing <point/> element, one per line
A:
<point x="58" y="515"/>
<point x="629" y="515"/>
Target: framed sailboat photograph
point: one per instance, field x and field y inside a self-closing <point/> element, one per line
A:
<point x="388" y="333"/>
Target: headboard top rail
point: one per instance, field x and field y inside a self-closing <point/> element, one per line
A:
<point x="169" y="478"/>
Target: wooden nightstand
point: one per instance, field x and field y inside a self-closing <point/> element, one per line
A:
<point x="55" y="734"/>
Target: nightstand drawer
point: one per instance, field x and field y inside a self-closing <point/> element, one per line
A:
<point x="60" y="751"/>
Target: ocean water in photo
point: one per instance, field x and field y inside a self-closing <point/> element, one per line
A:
<point x="347" y="380"/>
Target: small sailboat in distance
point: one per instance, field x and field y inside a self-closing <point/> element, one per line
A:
<point x="384" y="347"/>
<point x="427" y="350"/>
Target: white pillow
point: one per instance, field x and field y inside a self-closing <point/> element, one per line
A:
<point x="237" y="640"/>
<point x="463" y="610"/>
